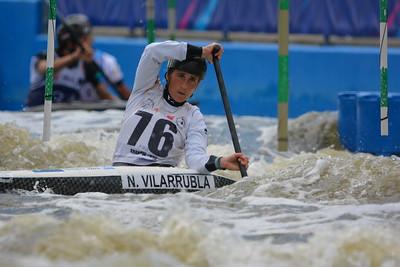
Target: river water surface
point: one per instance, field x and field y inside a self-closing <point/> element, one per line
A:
<point x="316" y="205"/>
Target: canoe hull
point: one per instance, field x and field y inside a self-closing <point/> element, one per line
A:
<point x="111" y="180"/>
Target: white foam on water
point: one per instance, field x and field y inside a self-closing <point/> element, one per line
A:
<point x="65" y="121"/>
<point x="315" y="205"/>
<point x="187" y="237"/>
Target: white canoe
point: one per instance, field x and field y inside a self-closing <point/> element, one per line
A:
<point x="111" y="180"/>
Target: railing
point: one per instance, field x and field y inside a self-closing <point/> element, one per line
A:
<point x="320" y="22"/>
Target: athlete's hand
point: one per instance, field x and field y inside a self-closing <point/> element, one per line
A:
<point x="208" y="51"/>
<point x="231" y="162"/>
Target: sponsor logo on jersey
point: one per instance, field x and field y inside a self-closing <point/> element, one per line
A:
<point x="137" y="152"/>
<point x="168" y="181"/>
<point x="148" y="103"/>
<point x="180" y="122"/>
<point x="170" y="117"/>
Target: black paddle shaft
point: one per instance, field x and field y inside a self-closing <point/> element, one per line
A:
<point x="227" y="107"/>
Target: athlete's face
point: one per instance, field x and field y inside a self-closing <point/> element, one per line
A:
<point x="182" y="85"/>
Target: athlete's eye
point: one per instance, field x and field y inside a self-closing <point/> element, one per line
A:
<point x="192" y="79"/>
<point x="181" y="75"/>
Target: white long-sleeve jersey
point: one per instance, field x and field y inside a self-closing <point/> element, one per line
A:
<point x="155" y="132"/>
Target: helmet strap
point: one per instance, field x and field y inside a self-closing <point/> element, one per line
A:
<point x="169" y="98"/>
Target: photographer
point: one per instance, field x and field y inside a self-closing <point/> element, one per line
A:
<point x="76" y="72"/>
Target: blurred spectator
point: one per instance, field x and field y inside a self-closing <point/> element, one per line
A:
<point x="80" y="71"/>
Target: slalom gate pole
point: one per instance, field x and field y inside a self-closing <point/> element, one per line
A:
<point x="48" y="96"/>
<point x="171" y="19"/>
<point x="150" y="14"/>
<point x="383" y="47"/>
<point x="283" y="76"/>
<point x="228" y="111"/>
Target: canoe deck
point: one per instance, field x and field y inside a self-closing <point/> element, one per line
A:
<point x="111" y="180"/>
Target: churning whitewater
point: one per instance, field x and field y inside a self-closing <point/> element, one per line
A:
<point x="316" y="205"/>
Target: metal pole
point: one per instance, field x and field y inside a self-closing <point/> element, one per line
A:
<point x="48" y="96"/>
<point x="283" y="79"/>
<point x="384" y="68"/>
<point x="171" y="19"/>
<point x="150" y="20"/>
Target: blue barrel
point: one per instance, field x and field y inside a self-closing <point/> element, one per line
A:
<point x="368" y="125"/>
<point x="347" y="119"/>
<point x="394" y="123"/>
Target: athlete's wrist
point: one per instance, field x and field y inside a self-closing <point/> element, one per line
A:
<point x="193" y="51"/>
<point x="218" y="164"/>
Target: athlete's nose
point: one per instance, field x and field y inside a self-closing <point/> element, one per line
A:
<point x="186" y="84"/>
